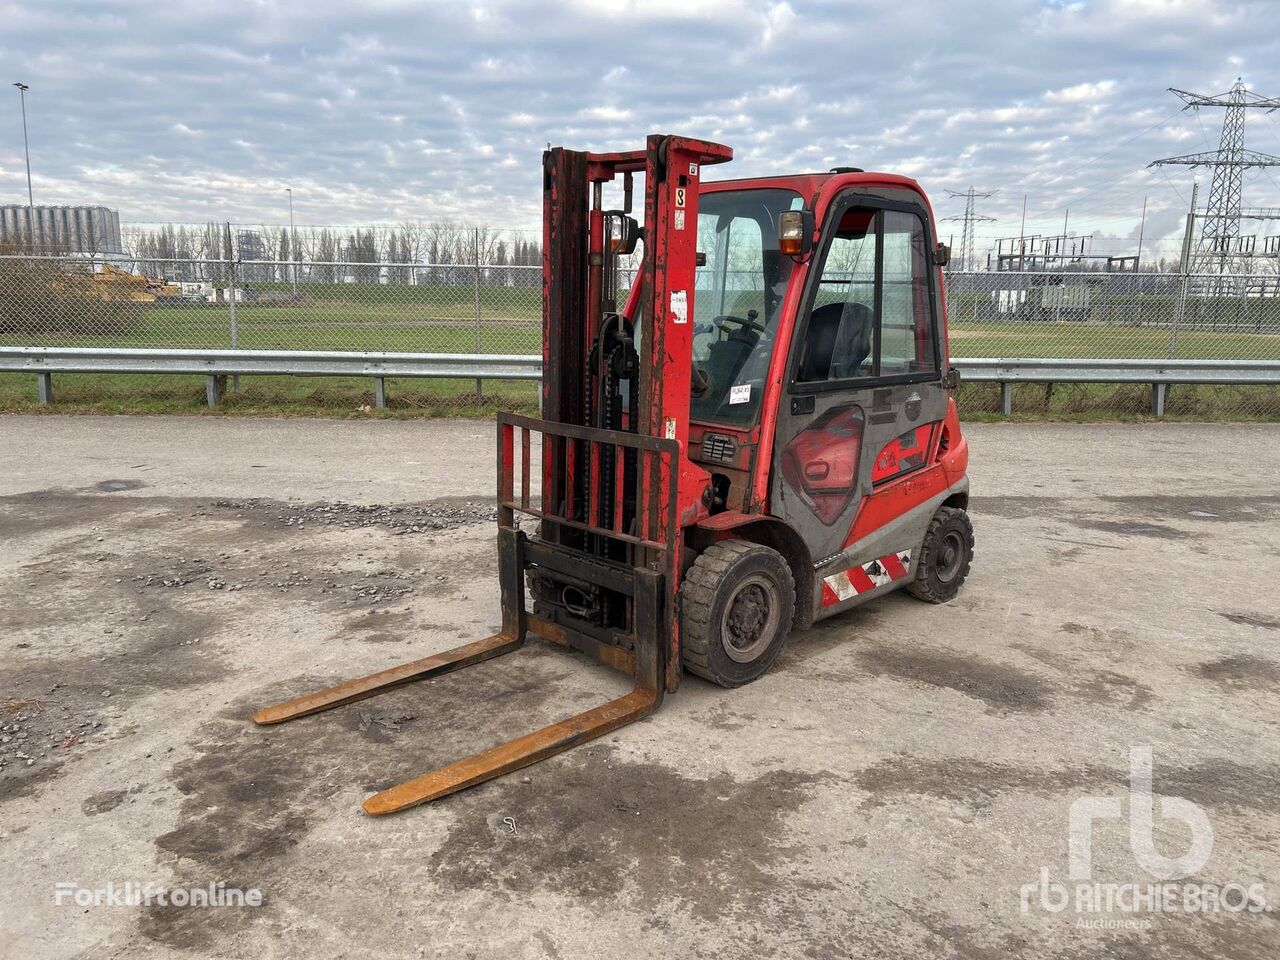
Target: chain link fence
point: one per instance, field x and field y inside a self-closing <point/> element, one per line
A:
<point x="1154" y="316"/>
<point x="280" y="305"/>
<point x="492" y="308"/>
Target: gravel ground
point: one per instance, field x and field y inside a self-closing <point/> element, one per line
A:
<point x="887" y="791"/>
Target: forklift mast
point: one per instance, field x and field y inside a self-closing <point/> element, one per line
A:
<point x="623" y="372"/>
<point x="616" y="485"/>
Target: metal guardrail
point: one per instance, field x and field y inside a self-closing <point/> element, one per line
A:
<point x="1055" y="370"/>
<point x="1159" y="373"/>
<point x="217" y="365"/>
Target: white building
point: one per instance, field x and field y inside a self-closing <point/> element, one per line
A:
<point x="84" y="230"/>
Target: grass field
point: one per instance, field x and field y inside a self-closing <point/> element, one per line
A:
<point x="441" y="318"/>
<point x="1096" y="341"/>
<point x="397" y="327"/>
<point x="415" y="319"/>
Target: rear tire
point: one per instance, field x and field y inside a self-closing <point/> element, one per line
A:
<point x="737" y="604"/>
<point x="945" y="556"/>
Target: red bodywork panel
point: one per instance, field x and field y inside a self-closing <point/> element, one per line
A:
<point x="903" y="454"/>
<point x="946" y="467"/>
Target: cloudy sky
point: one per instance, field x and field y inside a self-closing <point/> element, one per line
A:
<point x="384" y="110"/>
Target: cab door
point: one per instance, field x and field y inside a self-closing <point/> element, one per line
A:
<point x="864" y="398"/>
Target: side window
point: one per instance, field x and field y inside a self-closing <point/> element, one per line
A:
<point x="872" y="313"/>
<point x="727" y="382"/>
<point x="839" y="342"/>
<point x="906" y="345"/>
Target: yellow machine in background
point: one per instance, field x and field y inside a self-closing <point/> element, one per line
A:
<point x="112" y="283"/>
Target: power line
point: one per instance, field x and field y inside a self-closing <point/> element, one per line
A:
<point x="1204" y="134"/>
<point x="1076" y="201"/>
<point x="1175" y="187"/>
<point x="967" y="261"/>
<point x="1220" y="250"/>
<point x="1112" y="203"/>
<point x="1124" y="143"/>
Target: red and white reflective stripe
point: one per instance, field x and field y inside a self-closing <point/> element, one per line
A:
<point x="875" y="573"/>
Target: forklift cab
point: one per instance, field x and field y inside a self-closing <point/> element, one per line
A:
<point x="831" y="359"/>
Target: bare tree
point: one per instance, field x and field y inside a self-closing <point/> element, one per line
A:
<point x="326" y="251"/>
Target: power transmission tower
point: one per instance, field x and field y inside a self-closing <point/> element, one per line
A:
<point x="967" y="261"/>
<point x="1220" y="250"/>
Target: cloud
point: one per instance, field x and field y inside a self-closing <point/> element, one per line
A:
<point x="1081" y="92"/>
<point x="606" y="114"/>
<point x="393" y="110"/>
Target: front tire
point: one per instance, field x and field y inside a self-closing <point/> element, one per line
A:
<point x="737" y="604"/>
<point x="945" y="556"/>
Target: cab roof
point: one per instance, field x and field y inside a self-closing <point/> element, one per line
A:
<point x="818" y="189"/>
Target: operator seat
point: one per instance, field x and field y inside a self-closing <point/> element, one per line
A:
<point x="838" y="343"/>
<point x="725" y="360"/>
<point x="727" y="357"/>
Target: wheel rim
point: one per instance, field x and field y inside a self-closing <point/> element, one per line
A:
<point x="950" y="556"/>
<point x="750" y="619"/>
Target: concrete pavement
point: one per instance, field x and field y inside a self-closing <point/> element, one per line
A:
<point x="887" y="791"/>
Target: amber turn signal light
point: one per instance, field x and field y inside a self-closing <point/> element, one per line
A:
<point x="795" y="232"/>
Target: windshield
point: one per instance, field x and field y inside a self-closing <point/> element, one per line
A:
<point x="739" y="296"/>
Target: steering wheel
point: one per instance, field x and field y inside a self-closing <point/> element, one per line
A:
<point x="728" y="325"/>
<point x="751" y="322"/>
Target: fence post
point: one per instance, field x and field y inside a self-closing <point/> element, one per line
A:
<point x="231" y="296"/>
<point x="1179" y="311"/>
<point x="44" y="386"/>
<point x="1184" y="268"/>
<point x="476" y="247"/>
<point x="1006" y="398"/>
<point x="215" y="386"/>
<point x="380" y="393"/>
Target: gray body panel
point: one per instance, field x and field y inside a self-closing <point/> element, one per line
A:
<point x="888" y="415"/>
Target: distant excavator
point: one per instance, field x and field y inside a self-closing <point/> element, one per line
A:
<point x="112" y="283"/>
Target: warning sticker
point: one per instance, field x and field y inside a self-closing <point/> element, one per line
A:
<point x="693" y="169"/>
<point x="679" y="219"/>
<point x="740" y="393"/>
<point x="680" y="306"/>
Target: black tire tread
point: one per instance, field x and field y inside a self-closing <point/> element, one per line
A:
<point x="921" y="587"/>
<point x="698" y="594"/>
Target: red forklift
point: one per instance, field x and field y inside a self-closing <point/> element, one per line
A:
<point x="760" y="434"/>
